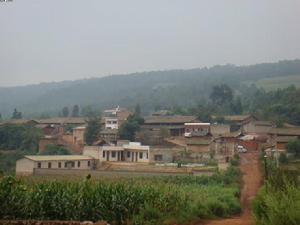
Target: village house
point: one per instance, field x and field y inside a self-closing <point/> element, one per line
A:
<point x="173" y="124"/>
<point x="128" y="152"/>
<point x="238" y="121"/>
<point x="114" y="118"/>
<point x="30" y="163"/>
<point x="257" y="127"/>
<point x="279" y="137"/>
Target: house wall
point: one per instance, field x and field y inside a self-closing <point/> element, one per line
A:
<point x="219" y="129"/>
<point x="93" y="151"/>
<point x="252" y="127"/>
<point x="78" y="136"/>
<point x="46" y="141"/>
<point x="24" y="167"/>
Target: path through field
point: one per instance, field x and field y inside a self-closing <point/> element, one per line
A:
<point x="251" y="182"/>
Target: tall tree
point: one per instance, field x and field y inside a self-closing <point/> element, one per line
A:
<point x="221" y="94"/>
<point x="137" y="110"/>
<point x="129" y="128"/>
<point x="65" y="111"/>
<point x="92" y="130"/>
<point x="236" y="106"/>
<point x="16" y="114"/>
<point x="75" y="111"/>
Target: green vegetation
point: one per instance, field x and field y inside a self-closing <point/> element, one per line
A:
<point x="278" y="202"/>
<point x="8" y="160"/>
<point x="156" y="200"/>
<point x="52" y="149"/>
<point x="19" y="137"/>
<point x="272" y="84"/>
<point x="92" y="130"/>
<point x="293" y="147"/>
<point x="15" y="142"/>
<point x="129" y="128"/>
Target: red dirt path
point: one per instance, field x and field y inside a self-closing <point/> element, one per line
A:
<point x="251" y="179"/>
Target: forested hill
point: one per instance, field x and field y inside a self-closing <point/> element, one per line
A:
<point x="157" y="89"/>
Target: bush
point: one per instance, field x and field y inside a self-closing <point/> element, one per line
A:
<point x="283" y="158"/>
<point x="52" y="149"/>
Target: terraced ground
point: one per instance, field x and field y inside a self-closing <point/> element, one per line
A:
<point x="270" y="84"/>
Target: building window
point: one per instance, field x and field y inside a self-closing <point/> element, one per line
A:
<point x="114" y="122"/>
<point x="78" y="164"/>
<point x="113" y="154"/>
<point x="89" y="163"/>
<point x="147" y="155"/>
<point x="141" y="155"/>
<point x="39" y="165"/>
<point x="73" y="164"/>
<point x="158" y="157"/>
<point x="49" y="165"/>
<point x="128" y="154"/>
<point x="103" y="154"/>
<point x="66" y="164"/>
<point x="59" y="164"/>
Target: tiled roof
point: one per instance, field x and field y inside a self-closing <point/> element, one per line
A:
<point x="295" y="131"/>
<point x="286" y="139"/>
<point x="237" y="117"/>
<point x="169" y="119"/>
<point x="63" y="120"/>
<point x="19" y="121"/>
<point x="57" y="157"/>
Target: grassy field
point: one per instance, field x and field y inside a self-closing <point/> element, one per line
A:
<point x="270" y="84"/>
<point x="143" y="200"/>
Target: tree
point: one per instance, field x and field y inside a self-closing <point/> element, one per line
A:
<point x="92" y="130"/>
<point x="137" y="110"/>
<point x="75" y="111"/>
<point x="129" y="128"/>
<point x="236" y="106"/>
<point x="65" y="111"/>
<point x="52" y="149"/>
<point x="16" y="114"/>
<point x="294" y="147"/>
<point x="221" y="94"/>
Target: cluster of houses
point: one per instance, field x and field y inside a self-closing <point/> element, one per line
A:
<point x="162" y="138"/>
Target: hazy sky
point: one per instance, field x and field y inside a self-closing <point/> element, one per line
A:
<point x="43" y="41"/>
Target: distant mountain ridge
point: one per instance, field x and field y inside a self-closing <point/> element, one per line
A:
<point x="156" y="89"/>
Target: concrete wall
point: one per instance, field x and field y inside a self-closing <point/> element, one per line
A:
<point x="24" y="167"/>
<point x="252" y="127"/>
<point x="219" y="129"/>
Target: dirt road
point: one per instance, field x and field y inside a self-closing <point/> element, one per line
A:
<point x="251" y="182"/>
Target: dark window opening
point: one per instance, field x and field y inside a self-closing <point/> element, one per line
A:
<point x="128" y="154"/>
<point x="59" y="165"/>
<point x="141" y="155"/>
<point x="158" y="157"/>
<point x="113" y="154"/>
<point x="49" y="165"/>
<point x="78" y="164"/>
<point x="39" y="165"/>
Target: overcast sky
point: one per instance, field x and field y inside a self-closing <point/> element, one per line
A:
<point x="43" y="41"/>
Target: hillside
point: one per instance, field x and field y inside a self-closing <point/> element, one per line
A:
<point x="150" y="89"/>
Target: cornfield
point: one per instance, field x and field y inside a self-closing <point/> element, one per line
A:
<point x="122" y="201"/>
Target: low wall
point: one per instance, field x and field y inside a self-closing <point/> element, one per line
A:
<point x="118" y="173"/>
